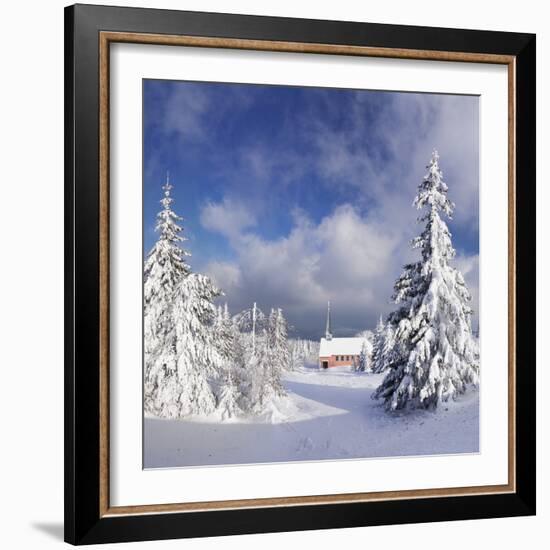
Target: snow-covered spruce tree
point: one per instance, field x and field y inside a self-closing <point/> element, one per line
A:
<point x="230" y="397"/>
<point x="198" y="359"/>
<point x="239" y="345"/>
<point x="244" y="367"/>
<point x="162" y="386"/>
<point x="225" y="334"/>
<point x="269" y="362"/>
<point x="229" y="393"/>
<point x="389" y="349"/>
<point x="433" y="353"/>
<point x="164" y="268"/>
<point x="378" y="347"/>
<point x="383" y="351"/>
<point x="362" y="364"/>
<point x="278" y="340"/>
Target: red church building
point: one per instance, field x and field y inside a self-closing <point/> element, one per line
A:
<point x="339" y="352"/>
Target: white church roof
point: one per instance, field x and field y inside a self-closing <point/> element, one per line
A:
<point x="342" y="346"/>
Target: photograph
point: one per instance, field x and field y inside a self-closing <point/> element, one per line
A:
<point x="310" y="274"/>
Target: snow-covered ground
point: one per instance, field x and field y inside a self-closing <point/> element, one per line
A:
<point x="327" y="415"/>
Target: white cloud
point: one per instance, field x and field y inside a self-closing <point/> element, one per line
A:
<point x="183" y="113"/>
<point x="191" y="112"/>
<point x="344" y="258"/>
<point x="406" y="129"/>
<point x="226" y="275"/>
<point x="229" y="217"/>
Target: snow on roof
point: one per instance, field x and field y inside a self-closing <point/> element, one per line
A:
<point x="342" y="346"/>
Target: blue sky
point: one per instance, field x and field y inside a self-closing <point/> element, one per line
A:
<point x="292" y="196"/>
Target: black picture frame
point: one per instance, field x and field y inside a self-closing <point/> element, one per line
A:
<point x="84" y="523"/>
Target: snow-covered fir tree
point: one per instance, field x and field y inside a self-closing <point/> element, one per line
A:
<point x="164" y="268"/>
<point x="380" y="344"/>
<point x="362" y="364"/>
<point x="433" y="355"/>
<point x="198" y="359"/>
<point x="162" y="386"/>
<point x="229" y="388"/>
<point x="389" y="349"/>
<point x="230" y="400"/>
<point x="278" y="340"/>
<point x="224" y="334"/>
<point x="239" y="345"/>
<point x="267" y="365"/>
<point x="242" y="373"/>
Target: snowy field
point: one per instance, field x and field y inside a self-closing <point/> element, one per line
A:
<point x="326" y="415"/>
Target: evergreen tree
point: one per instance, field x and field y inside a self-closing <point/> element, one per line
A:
<point x="239" y="345"/>
<point x="433" y="355"/>
<point x="198" y="357"/>
<point x="278" y="340"/>
<point x="225" y="335"/>
<point x="378" y="342"/>
<point x="242" y="372"/>
<point x="267" y="365"/>
<point x="362" y="362"/>
<point x="229" y="391"/>
<point x="231" y="397"/>
<point x="164" y="269"/>
<point x="389" y="349"/>
<point x="163" y="400"/>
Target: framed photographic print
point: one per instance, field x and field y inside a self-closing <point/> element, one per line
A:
<point x="299" y="274"/>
